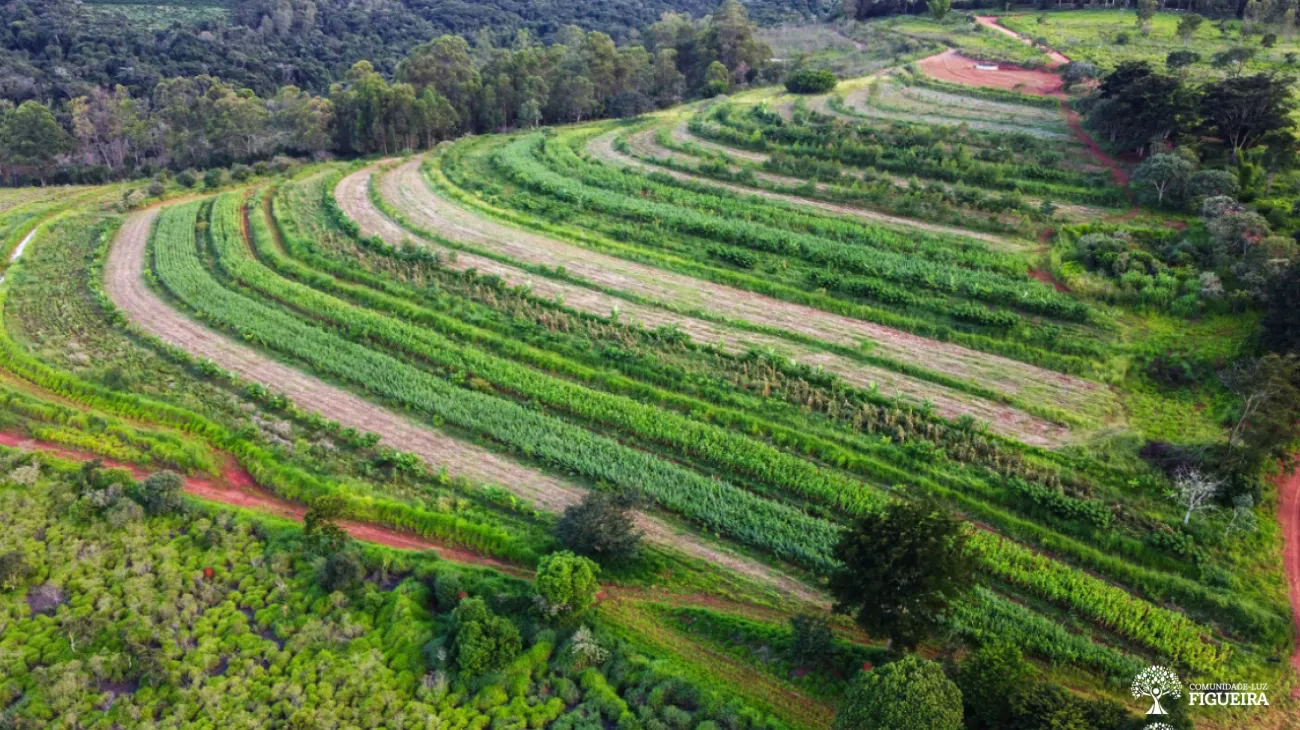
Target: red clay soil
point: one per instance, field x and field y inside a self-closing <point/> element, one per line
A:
<point x="955" y="68"/>
<point x="1046" y="278"/>
<point x="237" y="488"/>
<point x="1288" y="515"/>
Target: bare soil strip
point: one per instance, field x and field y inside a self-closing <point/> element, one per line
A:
<point x="406" y="188"/>
<point x="125" y="285"/>
<point x="352" y="196"/>
<point x="602" y="148"/>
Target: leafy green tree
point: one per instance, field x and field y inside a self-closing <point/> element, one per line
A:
<point x="444" y="64"/>
<point x="1188" y="25"/>
<point x="32" y="138"/>
<point x="1280" y="331"/>
<point x="161" y="493"/>
<point x="484" y="641"/>
<point x="1164" y="174"/>
<point x="1233" y="59"/>
<point x="996" y="669"/>
<point x="909" y="694"/>
<point x="939" y="9"/>
<point x="1266" y="429"/>
<point x="809" y="81"/>
<point x="716" y="79"/>
<point x="1243" y="110"/>
<point x="1180" y="60"/>
<point x="901" y="570"/>
<point x="1146" y="10"/>
<point x="1210" y="183"/>
<point x="601" y="528"/>
<point x="214" y="178"/>
<point x="342" y="571"/>
<point x="566" y="584"/>
<point x="1077" y="72"/>
<point x="321" y="532"/>
<point x="811" y="640"/>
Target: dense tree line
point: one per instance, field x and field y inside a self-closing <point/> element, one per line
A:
<point x="441" y="89"/>
<point x="56" y="50"/>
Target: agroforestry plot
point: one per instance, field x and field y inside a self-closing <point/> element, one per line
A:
<point x="359" y="415"/>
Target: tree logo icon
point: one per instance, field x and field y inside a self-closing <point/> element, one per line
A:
<point x="1156" y="682"/>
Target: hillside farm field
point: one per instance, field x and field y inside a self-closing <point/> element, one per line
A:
<point x="768" y="315"/>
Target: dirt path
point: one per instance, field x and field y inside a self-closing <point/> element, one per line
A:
<point x="407" y="190"/>
<point x="991" y="21"/>
<point x="351" y="194"/>
<point x="125" y="285"/>
<point x="1288" y="515"/>
<point x="602" y="147"/>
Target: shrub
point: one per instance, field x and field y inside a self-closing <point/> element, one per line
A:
<point x="808" y="81"/>
<point x="812" y="642"/>
<point x="909" y="694"/>
<point x="160" y="493"/>
<point x="566" y="584"/>
<point x="240" y="173"/>
<point x="484" y="641"/>
<point x="214" y="178"/>
<point x="156" y="189"/>
<point x="342" y="571"/>
<point x="187" y="178"/>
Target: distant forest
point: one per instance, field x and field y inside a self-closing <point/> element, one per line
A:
<point x="56" y="50"/>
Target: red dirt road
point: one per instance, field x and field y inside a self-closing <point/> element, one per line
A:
<point x="1288" y="515"/>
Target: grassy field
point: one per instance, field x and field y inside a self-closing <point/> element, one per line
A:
<point x="1094" y="35"/>
<point x="769" y="315"/>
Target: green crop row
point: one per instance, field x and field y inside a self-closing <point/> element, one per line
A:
<point x="716" y="504"/>
<point x="708" y="218"/>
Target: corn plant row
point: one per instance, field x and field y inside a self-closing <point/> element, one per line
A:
<point x="720" y="506"/>
<point x="983" y="616"/>
<point x="456" y="175"/>
<point x="1163" y="630"/>
<point x="519" y="160"/>
<point x="801" y="441"/>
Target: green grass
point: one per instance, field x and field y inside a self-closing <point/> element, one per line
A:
<point x="1090" y="35"/>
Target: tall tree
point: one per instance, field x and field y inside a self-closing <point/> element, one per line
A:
<point x="446" y="65"/>
<point x="901" y="570"/>
<point x="1242" y="110"/>
<point x="31" y="138"/>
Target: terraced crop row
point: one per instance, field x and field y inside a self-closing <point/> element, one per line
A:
<point x="1167" y="632"/>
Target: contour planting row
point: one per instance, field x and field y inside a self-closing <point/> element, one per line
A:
<point x="1164" y="631"/>
<point x="870" y="458"/>
<point x="967" y="493"/>
<point x="939" y="153"/>
<point x="827" y="186"/>
<point x="781" y="530"/>
<point x="873" y="374"/>
<point x="675" y="283"/>
<point x="956" y="202"/>
<point x="924" y="295"/>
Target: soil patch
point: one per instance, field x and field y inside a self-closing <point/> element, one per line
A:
<point x="953" y="67"/>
